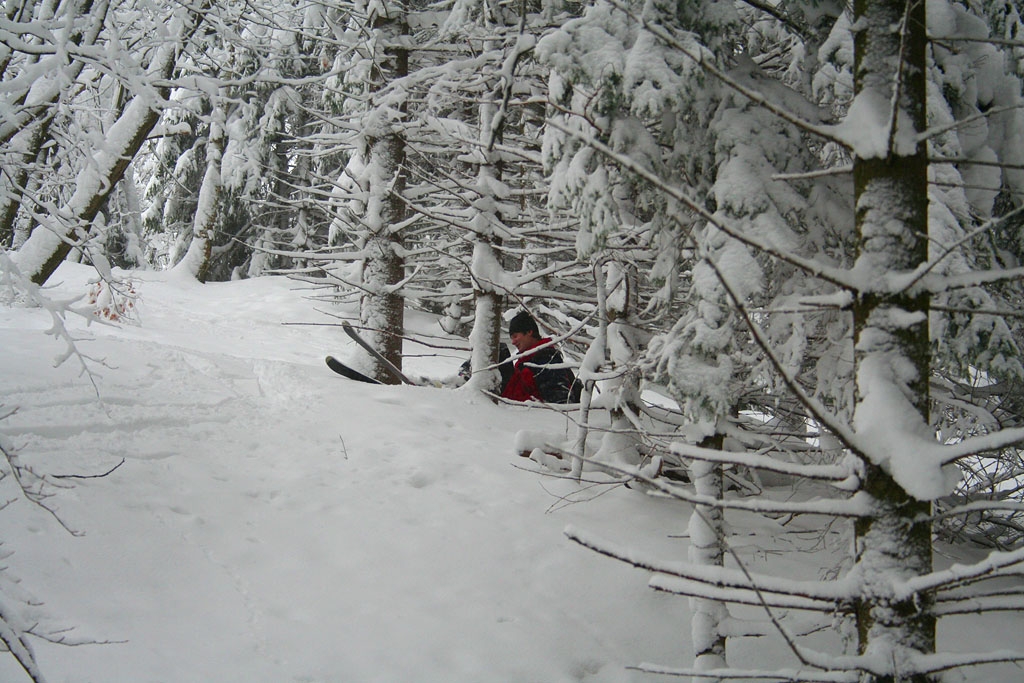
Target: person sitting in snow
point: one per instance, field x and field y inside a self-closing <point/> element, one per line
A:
<point x="532" y="378"/>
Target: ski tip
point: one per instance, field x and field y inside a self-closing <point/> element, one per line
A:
<point x="345" y="371"/>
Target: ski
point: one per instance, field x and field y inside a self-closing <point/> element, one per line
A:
<point x="350" y="331"/>
<point x="345" y="371"/>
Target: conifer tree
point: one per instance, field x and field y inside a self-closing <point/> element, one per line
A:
<point x="837" y="330"/>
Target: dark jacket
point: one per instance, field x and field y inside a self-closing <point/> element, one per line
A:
<point x="504" y="367"/>
<point x="532" y="380"/>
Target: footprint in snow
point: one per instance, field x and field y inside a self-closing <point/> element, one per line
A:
<point x="420" y="479"/>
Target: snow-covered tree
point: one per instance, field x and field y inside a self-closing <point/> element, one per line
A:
<point x="376" y="176"/>
<point x="834" y="282"/>
<point x="67" y="221"/>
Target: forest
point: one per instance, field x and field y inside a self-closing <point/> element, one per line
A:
<point x="801" y="224"/>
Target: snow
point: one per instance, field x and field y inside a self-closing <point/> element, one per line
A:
<point x="274" y="522"/>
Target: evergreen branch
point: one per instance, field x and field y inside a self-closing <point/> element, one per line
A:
<point x="976" y="162"/>
<point x="820" y="413"/>
<point x="814" y="593"/>
<point x="975" y="445"/>
<point x="939" y="130"/>
<point x="854" y="507"/>
<point x="845" y="169"/>
<point x="985" y="188"/>
<point x="978" y="311"/>
<point x="732" y="594"/>
<point x="901" y="63"/>
<point x="729" y="674"/>
<point x="947" y="661"/>
<point x="783" y="17"/>
<point x="835" y="276"/>
<point x="969" y="39"/>
<point x="978" y="506"/>
<point x="829" y="473"/>
<point x="979" y="605"/>
<point x="925" y="268"/>
<point x="976" y="278"/>
<point x="823" y="132"/>
<point x="957" y="574"/>
<point x="524" y="44"/>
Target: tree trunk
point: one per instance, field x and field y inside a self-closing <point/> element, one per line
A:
<point x="621" y="442"/>
<point x="382" y="309"/>
<point x="487" y="328"/>
<point x="707" y="539"/>
<point x="891" y="327"/>
<point x="196" y="261"/>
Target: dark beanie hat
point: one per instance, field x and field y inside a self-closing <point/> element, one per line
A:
<point x="523" y="322"/>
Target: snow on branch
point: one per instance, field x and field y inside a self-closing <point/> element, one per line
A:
<point x="957" y="574"/>
<point x="972" y="39"/>
<point x="810" y="594"/>
<point x="34" y="486"/>
<point x="953" y="125"/>
<point x="981" y="604"/>
<point x="947" y="661"/>
<point x="980" y="506"/>
<point x="976" y="162"/>
<point x="974" y="279"/>
<point x="524" y="45"/>
<point x="13" y="277"/>
<point x="840" y="429"/>
<point x="857" y="505"/>
<point x="844" y="476"/>
<point x="735" y="595"/>
<point x="919" y="664"/>
<point x="827" y="133"/>
<point x="728" y="674"/>
<point x="19" y="647"/>
<point x="836" y="276"/>
<point x="995" y="441"/>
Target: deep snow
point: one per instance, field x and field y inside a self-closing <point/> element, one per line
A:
<point x="274" y="522"/>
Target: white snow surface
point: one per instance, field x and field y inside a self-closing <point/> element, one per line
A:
<point x="274" y="522"/>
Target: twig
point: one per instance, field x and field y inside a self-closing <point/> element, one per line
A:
<point x="88" y="476"/>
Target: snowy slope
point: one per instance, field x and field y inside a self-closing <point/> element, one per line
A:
<point x="274" y="522"/>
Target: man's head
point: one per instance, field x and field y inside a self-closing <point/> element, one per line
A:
<point x="522" y="330"/>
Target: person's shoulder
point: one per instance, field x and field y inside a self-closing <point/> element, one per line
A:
<point x="546" y="354"/>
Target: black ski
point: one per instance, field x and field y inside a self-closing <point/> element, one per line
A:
<point x="375" y="353"/>
<point x="345" y="371"/>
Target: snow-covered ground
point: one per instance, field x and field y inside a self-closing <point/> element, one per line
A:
<point x="274" y="522"/>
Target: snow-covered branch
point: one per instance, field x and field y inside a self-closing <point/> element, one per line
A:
<point x="826" y="133"/>
<point x="811" y="595"/>
<point x="841" y="430"/>
<point x="17" y="644"/>
<point x="984" y="443"/>
<point x="843" y="476"/>
<point x="836" y="276"/>
<point x="730" y="673"/>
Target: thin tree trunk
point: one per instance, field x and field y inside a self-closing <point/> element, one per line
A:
<point x="621" y="442"/>
<point x="487" y="328"/>
<point x="707" y="539"/>
<point x="196" y="261"/>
